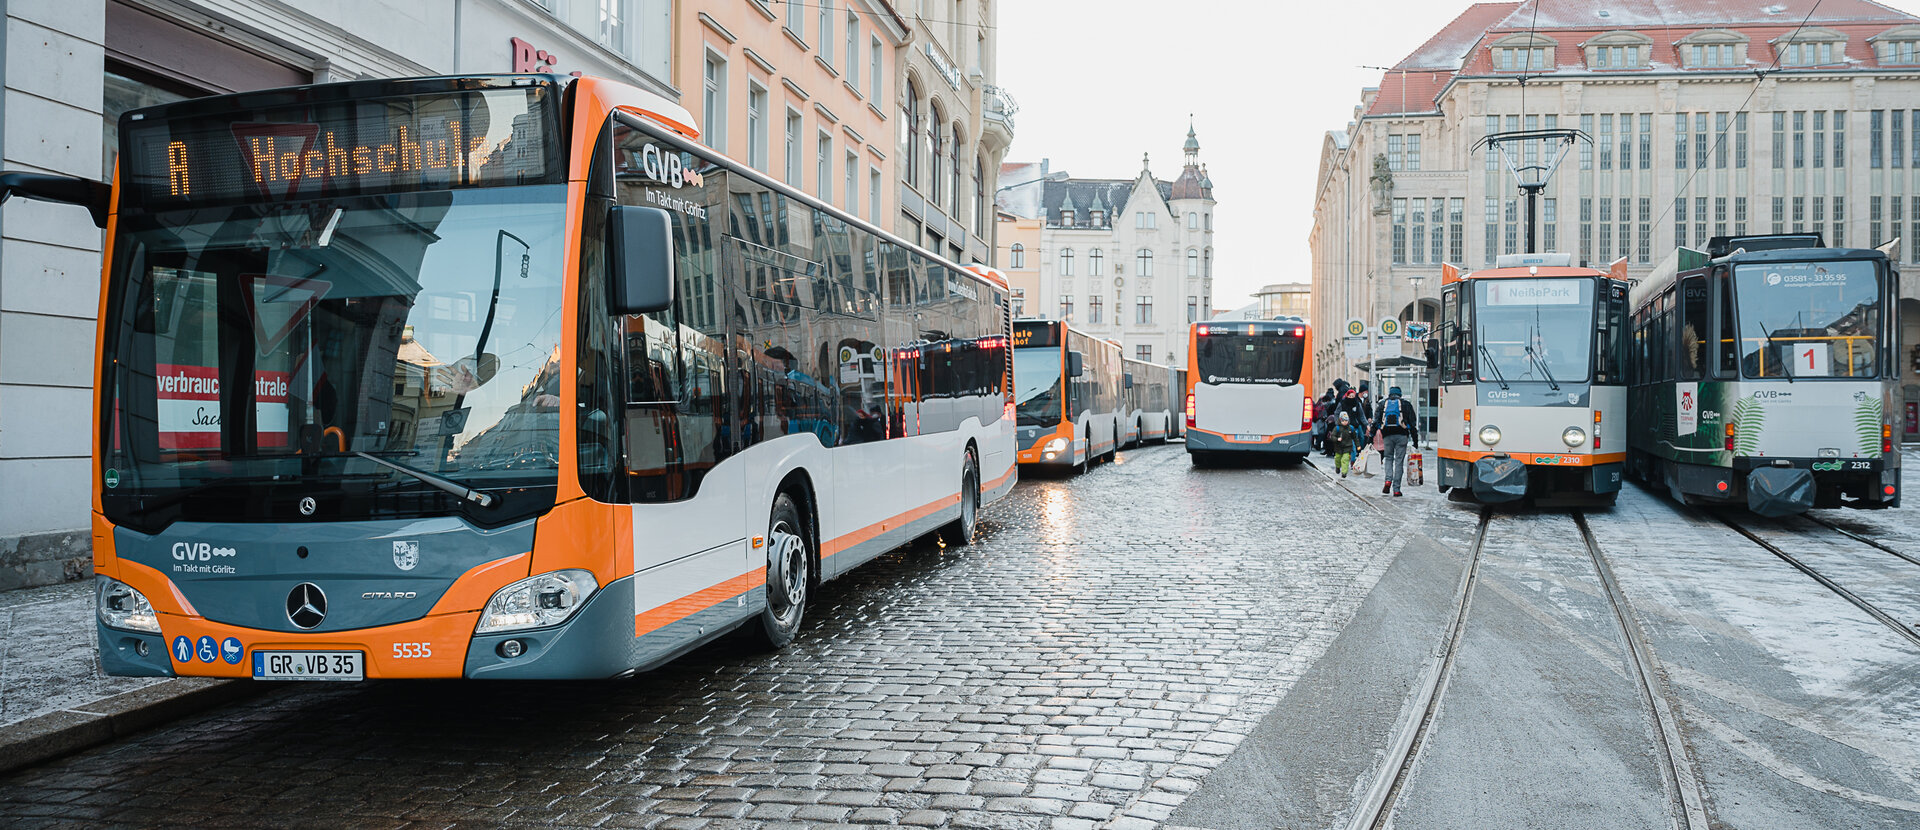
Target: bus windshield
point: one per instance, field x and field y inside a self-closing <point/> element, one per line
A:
<point x="1257" y="358"/>
<point x="1534" y="330"/>
<point x="1808" y="319"/>
<point x="270" y="343"/>
<point x="1036" y="380"/>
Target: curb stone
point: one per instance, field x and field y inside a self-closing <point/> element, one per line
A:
<point x="45" y="737"/>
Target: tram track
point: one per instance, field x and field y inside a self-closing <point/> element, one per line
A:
<point x="1861" y="539"/>
<point x="1377" y="804"/>
<point x="1909" y="632"/>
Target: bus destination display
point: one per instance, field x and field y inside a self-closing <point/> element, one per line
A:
<point x="382" y="145"/>
<point x="1035" y="334"/>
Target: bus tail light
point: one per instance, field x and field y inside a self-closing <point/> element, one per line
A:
<point x="1596" y="429"/>
<point x="1306" y="413"/>
<point x="1190" y="402"/>
<point x="1886" y="438"/>
<point x="1733" y="431"/>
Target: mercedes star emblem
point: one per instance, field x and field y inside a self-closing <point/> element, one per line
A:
<point x="307" y="506"/>
<point x="306" y="605"/>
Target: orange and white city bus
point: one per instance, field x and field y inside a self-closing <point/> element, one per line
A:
<point x="1069" y="395"/>
<point x="503" y="377"/>
<point x="1249" y="388"/>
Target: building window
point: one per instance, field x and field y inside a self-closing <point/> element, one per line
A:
<point x="823" y="176"/>
<point x="1490" y="220"/>
<point x="1143" y="309"/>
<point x="936" y="159"/>
<point x="1839" y="222"/>
<point x="873" y="194"/>
<point x="1438" y="235"/>
<point x="1799" y="139"/>
<point x="1903" y="52"/>
<point x="1779" y="214"/>
<point x="874" y="73"/>
<point x="1193" y="308"/>
<point x="1206" y="264"/>
<point x="1646" y="141"/>
<point x="1606" y="230"/>
<point x="1193" y="220"/>
<point x="793" y="150"/>
<point x="1606" y="142"/>
<point x="1096" y="218"/>
<point x="1456" y="230"/>
<point x="1148" y="220"/>
<point x="853" y="48"/>
<point x="715" y="103"/>
<point x="1520" y="59"/>
<point x="1066" y="262"/>
<point x="1066" y="218"/>
<point x="980" y="196"/>
<point x="756" y="126"/>
<point x="1094" y="302"/>
<point x="1017" y="256"/>
<point x="910" y="129"/>
<point x="853" y="181"/>
<point x="826" y="30"/>
<point x="1819" y="138"/>
<point x="1645" y="253"/>
<point x="1206" y="221"/>
<point x="1700" y="145"/>
<point x="1799" y="214"/>
<point x="1144" y="354"/>
<point x="1739" y="215"/>
<point x="1616" y="57"/>
<point x="1417" y="244"/>
<point x="1896" y="152"/>
<point x="1193" y="262"/>
<point x="1019" y="302"/>
<point x="1395" y="153"/>
<point x="956" y="150"/>
<point x="1680" y="141"/>
<point x="1096" y="263"/>
<point x="1812" y="52"/>
<point x="1740" y="140"/>
<point x="1586" y="147"/>
<point x="1512" y="243"/>
<point x="1779" y="140"/>
<point x="797" y="20"/>
<point x="1549" y="224"/>
<point x="1066" y="306"/>
<point x="1711" y="55"/>
<point x="1840" y="138"/>
<point x="1399" y="230"/>
<point x="1143" y="262"/>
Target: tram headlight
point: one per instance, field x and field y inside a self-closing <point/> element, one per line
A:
<point x="122" y="607"/>
<point x="1056" y="445"/>
<point x="1490" y="435"/>
<point x="1573" y="436"/>
<point x="537" y="601"/>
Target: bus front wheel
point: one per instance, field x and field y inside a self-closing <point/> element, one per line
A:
<point x="959" y="532"/>
<point x="789" y="574"/>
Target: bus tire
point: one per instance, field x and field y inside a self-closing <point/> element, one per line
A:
<point x="790" y="564"/>
<point x="959" y="532"/>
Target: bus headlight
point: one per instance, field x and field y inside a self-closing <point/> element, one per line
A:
<point x="1574" y="436"/>
<point x="122" y="607"/>
<point x="1055" y="445"/>
<point x="537" y="601"/>
<point x="1489" y="435"/>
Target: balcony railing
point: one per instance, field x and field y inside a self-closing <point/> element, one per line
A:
<point x="999" y="105"/>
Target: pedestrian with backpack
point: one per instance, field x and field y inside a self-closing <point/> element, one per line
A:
<point x="1399" y="424"/>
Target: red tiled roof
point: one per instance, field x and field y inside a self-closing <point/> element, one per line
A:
<point x="1409" y="92"/>
<point x="1447" y="46"/>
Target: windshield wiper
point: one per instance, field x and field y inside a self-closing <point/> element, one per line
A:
<point x="1538" y="361"/>
<point x="434" y="479"/>
<point x="1498" y="376"/>
<point x="1786" y="366"/>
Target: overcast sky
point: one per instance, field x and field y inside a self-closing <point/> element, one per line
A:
<point x="1101" y="81"/>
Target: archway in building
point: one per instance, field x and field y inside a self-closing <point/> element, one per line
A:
<point x="1909" y="379"/>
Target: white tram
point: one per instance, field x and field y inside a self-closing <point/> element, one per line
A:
<point x="1531" y="365"/>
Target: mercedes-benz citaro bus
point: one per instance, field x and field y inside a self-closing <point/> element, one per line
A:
<point x="503" y="377"/>
<point x="1068" y="395"/>
<point x="1249" y="389"/>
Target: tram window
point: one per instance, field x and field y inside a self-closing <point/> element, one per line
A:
<point x="1693" y="328"/>
<point x="1726" y="334"/>
<point x="1809" y="319"/>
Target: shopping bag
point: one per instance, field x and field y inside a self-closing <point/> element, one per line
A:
<point x="1380" y="441"/>
<point x="1369" y="459"/>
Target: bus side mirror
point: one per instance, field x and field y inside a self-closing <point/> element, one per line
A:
<point x="1076" y="364"/>
<point x="640" y="246"/>
<point x="96" y="197"/>
<point x="1433" y="354"/>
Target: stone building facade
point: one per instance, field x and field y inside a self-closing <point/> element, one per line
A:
<point x="1130" y="260"/>
<point x="954" y="126"/>
<point x="1705" y="119"/>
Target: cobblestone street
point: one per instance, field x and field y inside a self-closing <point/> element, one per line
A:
<point x="1109" y="642"/>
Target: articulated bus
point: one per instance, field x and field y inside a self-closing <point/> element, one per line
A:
<point x="1068" y="395"/>
<point x="1246" y="382"/>
<point x="1153" y="403"/>
<point x="503" y="377"/>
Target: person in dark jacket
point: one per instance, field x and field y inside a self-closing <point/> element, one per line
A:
<point x="1322" y="407"/>
<point x="1343" y="440"/>
<point x="1353" y="404"/>
<point x="1398" y="423"/>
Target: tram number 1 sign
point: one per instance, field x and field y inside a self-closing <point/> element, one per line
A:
<point x="1811" y="359"/>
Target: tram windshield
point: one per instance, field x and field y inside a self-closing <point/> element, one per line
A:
<point x="1808" y="319"/>
<point x="1036" y="380"/>
<point x="1529" y="330"/>
<point x="1268" y="357"/>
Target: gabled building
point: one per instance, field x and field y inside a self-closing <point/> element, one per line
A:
<point x="1130" y="260"/>
<point x="1706" y="118"/>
